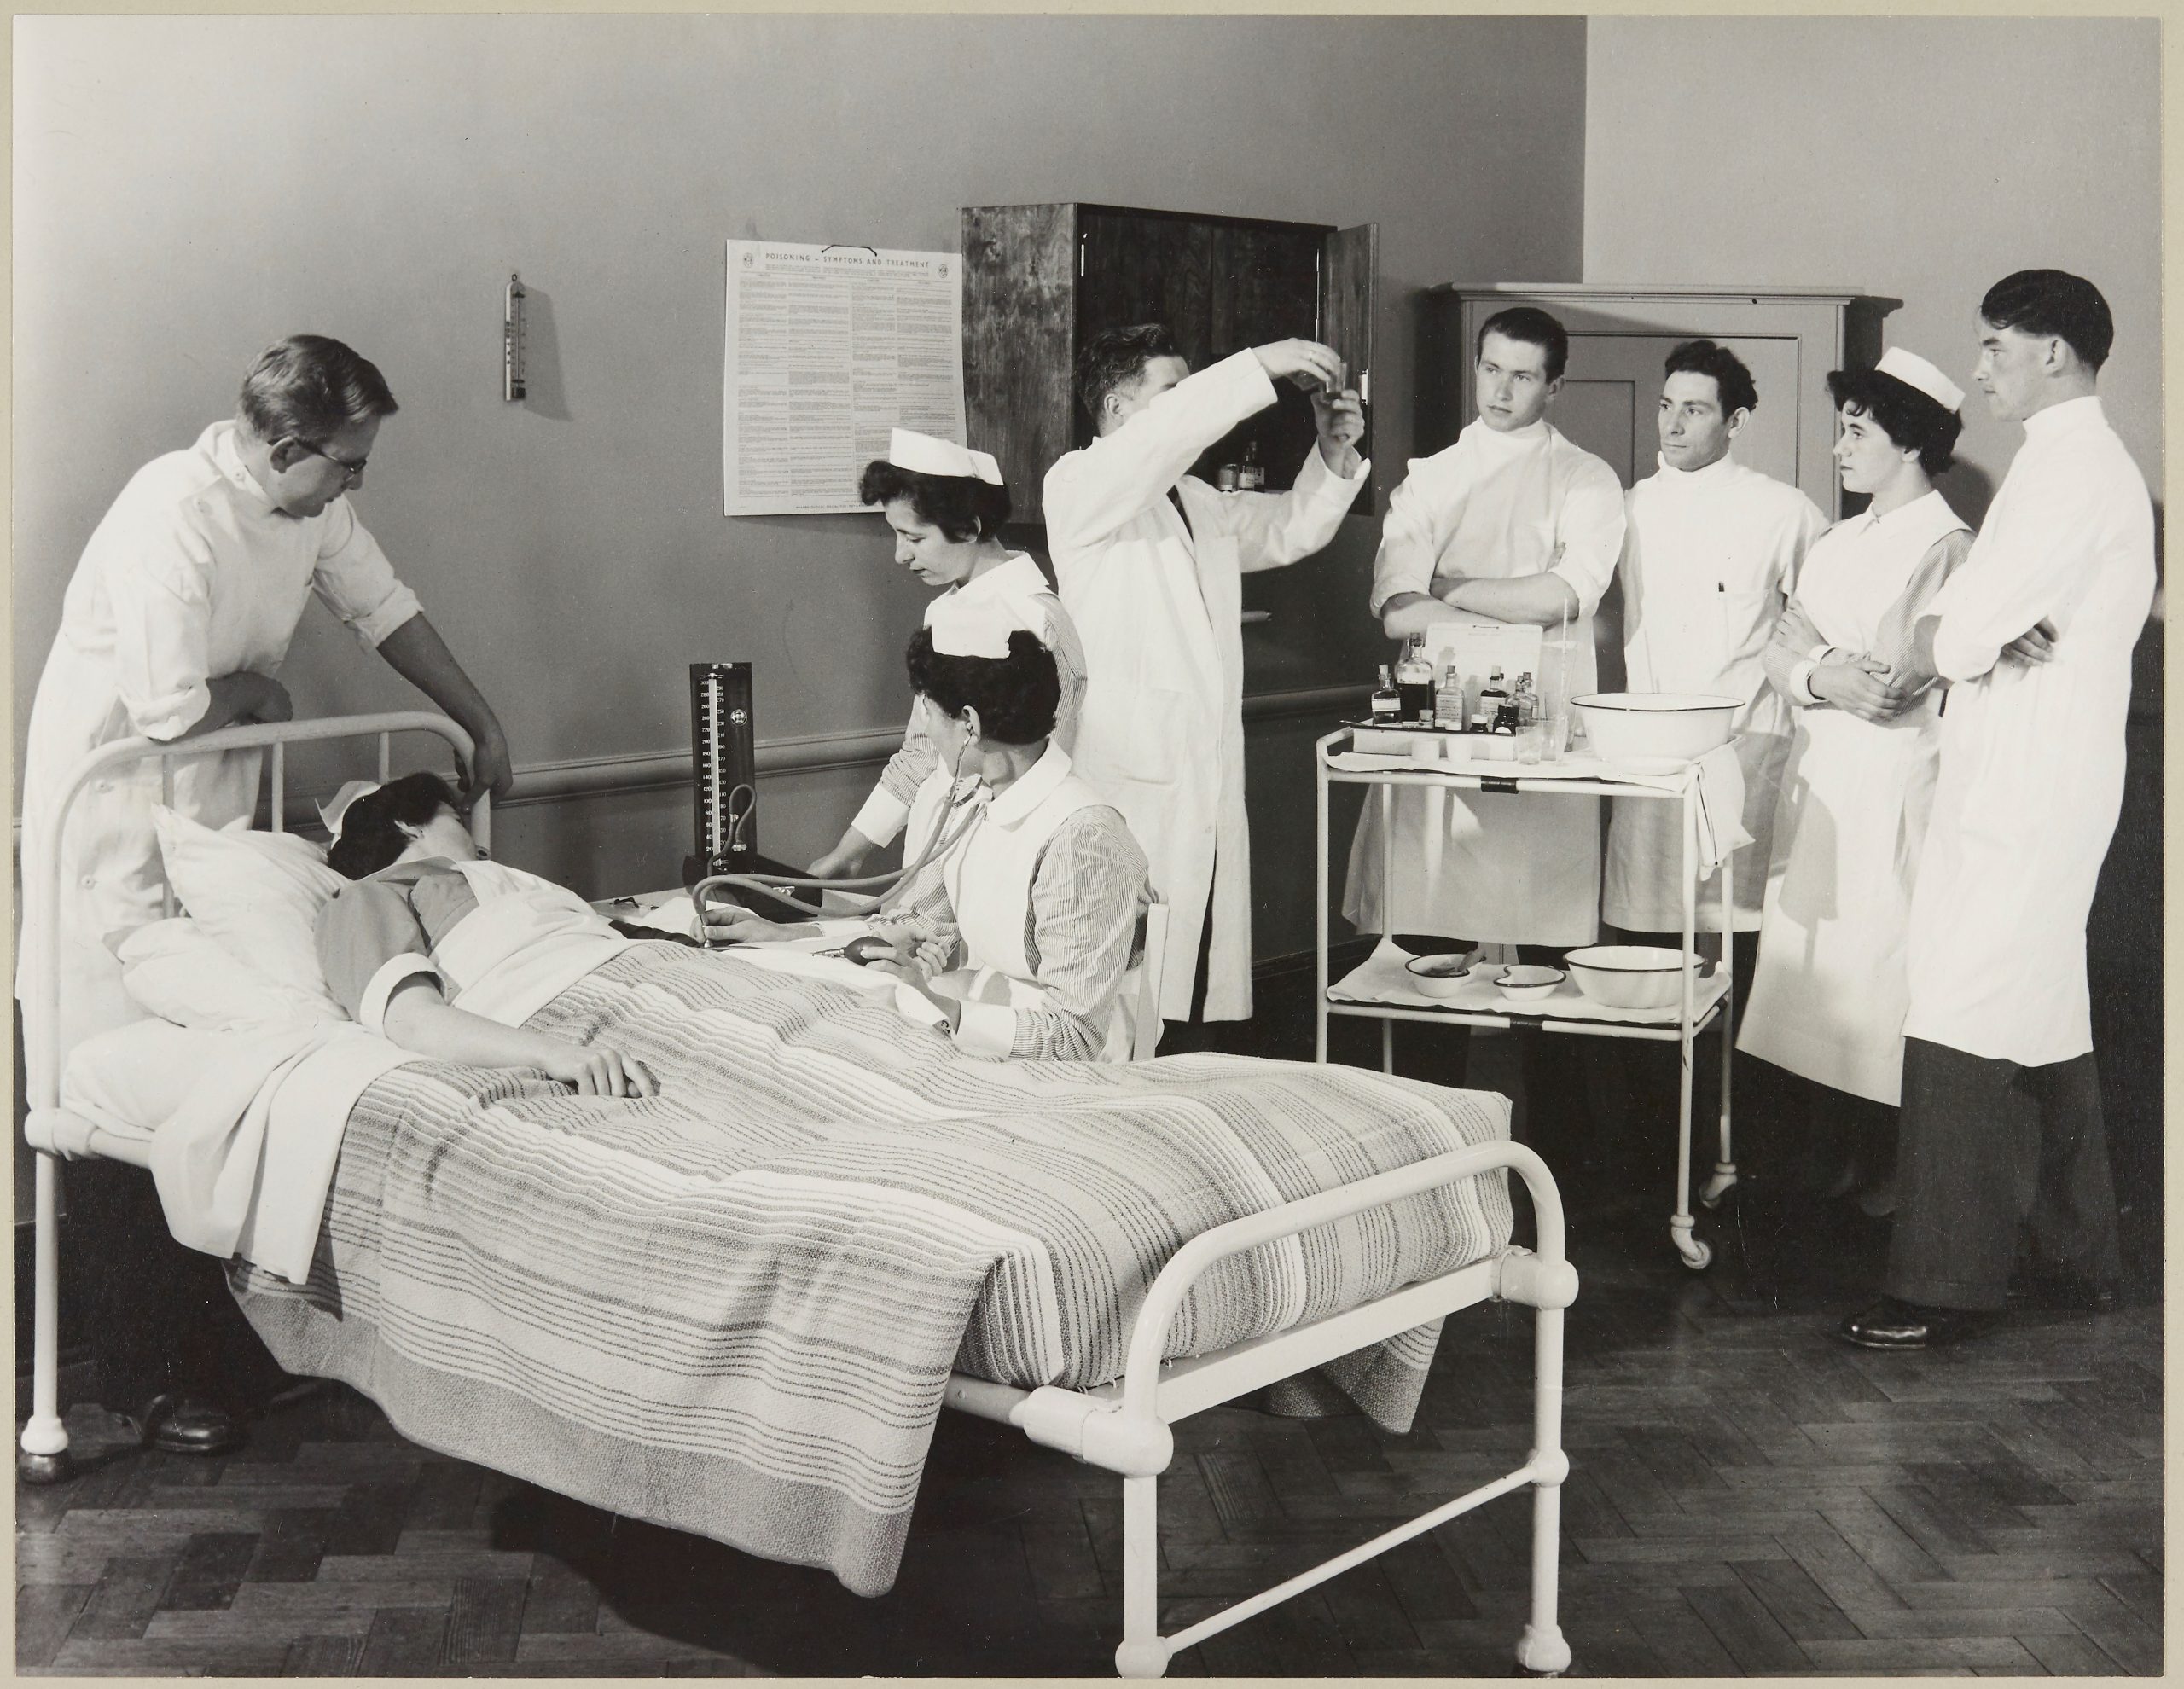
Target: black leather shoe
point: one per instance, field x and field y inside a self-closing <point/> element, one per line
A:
<point x="187" y="1427"/>
<point x="1892" y="1324"/>
<point x="2066" y="1289"/>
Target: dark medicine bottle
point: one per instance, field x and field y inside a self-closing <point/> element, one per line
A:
<point x="1414" y="682"/>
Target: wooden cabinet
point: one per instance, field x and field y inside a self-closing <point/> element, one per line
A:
<point x="1038" y="280"/>
<point x="1789" y="337"/>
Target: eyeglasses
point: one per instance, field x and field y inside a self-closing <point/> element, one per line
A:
<point x="354" y="472"/>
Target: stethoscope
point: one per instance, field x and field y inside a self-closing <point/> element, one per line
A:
<point x="964" y="810"/>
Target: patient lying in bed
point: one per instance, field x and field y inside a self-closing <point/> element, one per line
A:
<point x="429" y="919"/>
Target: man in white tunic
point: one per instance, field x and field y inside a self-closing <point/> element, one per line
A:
<point x="2001" y="1117"/>
<point x="1512" y="523"/>
<point x="1711" y="557"/>
<point x="1149" y="562"/>
<point x="174" y="623"/>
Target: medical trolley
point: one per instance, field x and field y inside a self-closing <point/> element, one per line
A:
<point x="1708" y="991"/>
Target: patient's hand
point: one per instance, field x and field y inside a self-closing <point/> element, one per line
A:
<point x="596" y="1070"/>
<point x="732" y="923"/>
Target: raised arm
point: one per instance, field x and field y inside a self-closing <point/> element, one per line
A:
<point x="1090" y="493"/>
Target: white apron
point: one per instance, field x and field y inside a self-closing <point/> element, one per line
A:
<point x="1830" y="990"/>
<point x="192" y="574"/>
<point x="2032" y="754"/>
<point x="1499" y="869"/>
<point x="1158" y="604"/>
<point x="988" y="878"/>
<point x="1709" y="560"/>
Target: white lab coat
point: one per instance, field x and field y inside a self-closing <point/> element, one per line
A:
<point x="1709" y="560"/>
<point x="1158" y="606"/>
<point x="191" y="575"/>
<point x="1830" y="990"/>
<point x="1506" y="869"/>
<point x="2032" y="754"/>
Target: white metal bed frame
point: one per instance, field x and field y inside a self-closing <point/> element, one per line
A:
<point x="1124" y="1427"/>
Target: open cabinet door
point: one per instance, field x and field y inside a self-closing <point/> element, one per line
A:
<point x="1353" y="273"/>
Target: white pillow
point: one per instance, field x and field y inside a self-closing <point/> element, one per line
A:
<point x="177" y="971"/>
<point x="132" y="1079"/>
<point x="259" y="894"/>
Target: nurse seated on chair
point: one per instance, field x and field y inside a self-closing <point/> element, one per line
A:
<point x="429" y="920"/>
<point x="1017" y="937"/>
<point x="944" y="505"/>
<point x="1830" y="991"/>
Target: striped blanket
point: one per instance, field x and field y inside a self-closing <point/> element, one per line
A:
<point x="732" y="1309"/>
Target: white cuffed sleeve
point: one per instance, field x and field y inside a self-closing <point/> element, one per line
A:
<point x="1589" y="529"/>
<point x="354" y="580"/>
<point x="1411" y="537"/>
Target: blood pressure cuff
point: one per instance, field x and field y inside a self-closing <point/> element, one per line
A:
<point x="789" y="903"/>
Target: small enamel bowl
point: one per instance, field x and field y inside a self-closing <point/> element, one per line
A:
<point x="1441" y="976"/>
<point x="1529" y="985"/>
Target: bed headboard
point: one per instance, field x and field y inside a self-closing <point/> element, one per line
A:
<point x="41" y="854"/>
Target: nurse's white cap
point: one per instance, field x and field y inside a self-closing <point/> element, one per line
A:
<point x="1913" y="371"/>
<point x="924" y="454"/>
<point x="969" y="627"/>
<point x="334" y="808"/>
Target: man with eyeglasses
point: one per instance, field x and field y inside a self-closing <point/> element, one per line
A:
<point x="174" y="623"/>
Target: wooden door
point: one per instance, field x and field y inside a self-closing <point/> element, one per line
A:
<point x="1220" y="285"/>
<point x="1020" y="315"/>
<point x="1351" y="284"/>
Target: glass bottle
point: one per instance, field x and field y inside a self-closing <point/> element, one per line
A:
<point x="1414" y="682"/>
<point x="1449" y="700"/>
<point x="1250" y="474"/>
<point x="1493" y="695"/>
<point x="1387" y="702"/>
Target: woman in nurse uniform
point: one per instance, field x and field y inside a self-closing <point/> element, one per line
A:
<point x="1017" y="937"/>
<point x="1830" y="992"/>
<point x="945" y="504"/>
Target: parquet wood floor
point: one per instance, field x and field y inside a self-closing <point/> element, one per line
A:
<point x="1746" y="1496"/>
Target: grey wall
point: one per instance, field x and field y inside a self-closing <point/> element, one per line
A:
<point x="188" y="188"/>
<point x="1920" y="158"/>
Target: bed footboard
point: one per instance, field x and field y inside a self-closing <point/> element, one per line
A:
<point x="1125" y="1428"/>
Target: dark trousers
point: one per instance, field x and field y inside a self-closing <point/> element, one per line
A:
<point x="159" y="1316"/>
<point x="1986" y="1147"/>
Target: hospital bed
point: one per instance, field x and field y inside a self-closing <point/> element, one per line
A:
<point x="1122" y="1424"/>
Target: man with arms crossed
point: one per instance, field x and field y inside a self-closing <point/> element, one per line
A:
<point x="2001" y="1106"/>
<point x="1512" y="523"/>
